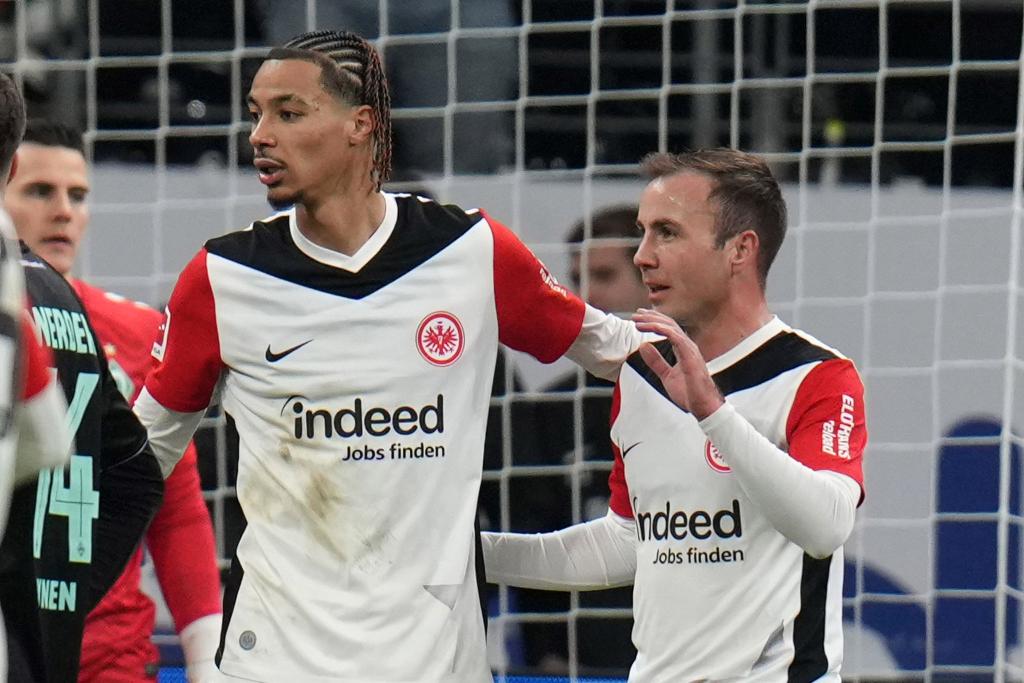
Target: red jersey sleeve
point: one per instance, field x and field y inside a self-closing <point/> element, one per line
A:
<point x="38" y="360"/>
<point x="189" y="362"/>
<point x="180" y="539"/>
<point x="826" y="428"/>
<point x="618" y="501"/>
<point x="535" y="313"/>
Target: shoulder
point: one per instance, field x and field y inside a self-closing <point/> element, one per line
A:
<point x="441" y="220"/>
<point x="270" y="233"/>
<point x="122" y="307"/>
<point x="45" y="285"/>
<point x="788" y="350"/>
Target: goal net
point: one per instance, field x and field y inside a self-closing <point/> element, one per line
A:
<point x="895" y="127"/>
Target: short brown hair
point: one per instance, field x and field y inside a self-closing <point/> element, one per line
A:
<point x="744" y="188"/>
<point x="12" y="123"/>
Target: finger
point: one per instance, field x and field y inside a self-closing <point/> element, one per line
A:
<point x="686" y="351"/>
<point x="651" y="314"/>
<point x="655" y="361"/>
<point x="667" y="330"/>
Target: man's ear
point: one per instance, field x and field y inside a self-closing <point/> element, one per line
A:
<point x="746" y="246"/>
<point x="364" y="121"/>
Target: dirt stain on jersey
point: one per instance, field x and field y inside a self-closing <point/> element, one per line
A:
<point x="321" y="498"/>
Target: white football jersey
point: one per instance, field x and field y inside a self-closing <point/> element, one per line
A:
<point x="359" y="388"/>
<point x="720" y="594"/>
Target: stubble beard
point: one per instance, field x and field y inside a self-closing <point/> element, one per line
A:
<point x="283" y="201"/>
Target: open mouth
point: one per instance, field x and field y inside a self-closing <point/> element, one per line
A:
<point x="270" y="171"/>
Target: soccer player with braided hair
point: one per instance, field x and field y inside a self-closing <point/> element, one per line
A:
<point x="352" y="337"/>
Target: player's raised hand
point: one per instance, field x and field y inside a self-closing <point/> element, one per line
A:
<point x="688" y="382"/>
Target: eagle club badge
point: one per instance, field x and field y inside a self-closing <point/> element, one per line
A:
<point x="714" y="458"/>
<point x="440" y="338"/>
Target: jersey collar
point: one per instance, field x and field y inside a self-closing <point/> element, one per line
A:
<point x="356" y="261"/>
<point x="748" y="345"/>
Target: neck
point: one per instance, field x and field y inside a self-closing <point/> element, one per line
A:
<point x="729" y="326"/>
<point x="345" y="220"/>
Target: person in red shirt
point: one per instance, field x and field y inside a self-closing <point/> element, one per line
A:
<point x="47" y="200"/>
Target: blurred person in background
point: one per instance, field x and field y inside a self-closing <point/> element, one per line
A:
<point x="48" y="200"/>
<point x="738" y="446"/>
<point x="33" y="436"/>
<point x="603" y="273"/>
<point x="71" y="532"/>
<point x="351" y="336"/>
<point x="601" y="270"/>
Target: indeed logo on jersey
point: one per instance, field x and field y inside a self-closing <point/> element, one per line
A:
<point x="360" y="420"/>
<point x="669" y="524"/>
<point x="836" y="440"/>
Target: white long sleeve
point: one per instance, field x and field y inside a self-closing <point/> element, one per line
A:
<point x="814" y="509"/>
<point x="43" y="437"/>
<point x="604" y="343"/>
<point x="199" y="642"/>
<point x="169" y="430"/>
<point x="589" y="556"/>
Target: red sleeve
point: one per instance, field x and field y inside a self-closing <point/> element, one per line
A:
<point x="180" y="539"/>
<point x="618" y="501"/>
<point x="826" y="429"/>
<point x="189" y="354"/>
<point x="38" y="360"/>
<point x="535" y="313"/>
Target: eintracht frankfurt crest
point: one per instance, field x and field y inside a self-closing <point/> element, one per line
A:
<point x="440" y="339"/>
<point x="714" y="458"/>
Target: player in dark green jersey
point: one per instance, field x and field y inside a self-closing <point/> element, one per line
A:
<point x="71" y="532"/>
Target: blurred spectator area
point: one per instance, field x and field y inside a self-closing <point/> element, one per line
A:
<point x="843" y="94"/>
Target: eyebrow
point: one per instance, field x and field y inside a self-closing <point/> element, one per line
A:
<point x="52" y="185"/>
<point x="280" y="99"/>
<point x="661" y="223"/>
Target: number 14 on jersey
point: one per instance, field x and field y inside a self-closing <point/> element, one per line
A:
<point x="74" y="498"/>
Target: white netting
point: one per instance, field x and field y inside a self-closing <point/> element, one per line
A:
<point x="895" y="126"/>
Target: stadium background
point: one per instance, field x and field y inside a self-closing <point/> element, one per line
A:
<point x="896" y="128"/>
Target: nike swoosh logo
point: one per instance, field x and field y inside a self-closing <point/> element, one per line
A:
<point x="274" y="357"/>
<point x="627" y="450"/>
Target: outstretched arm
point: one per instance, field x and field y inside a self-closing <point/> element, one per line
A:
<point x="540" y="317"/>
<point x="604" y="343"/>
<point x="593" y="555"/>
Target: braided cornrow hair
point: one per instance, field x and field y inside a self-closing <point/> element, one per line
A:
<point x="351" y="69"/>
